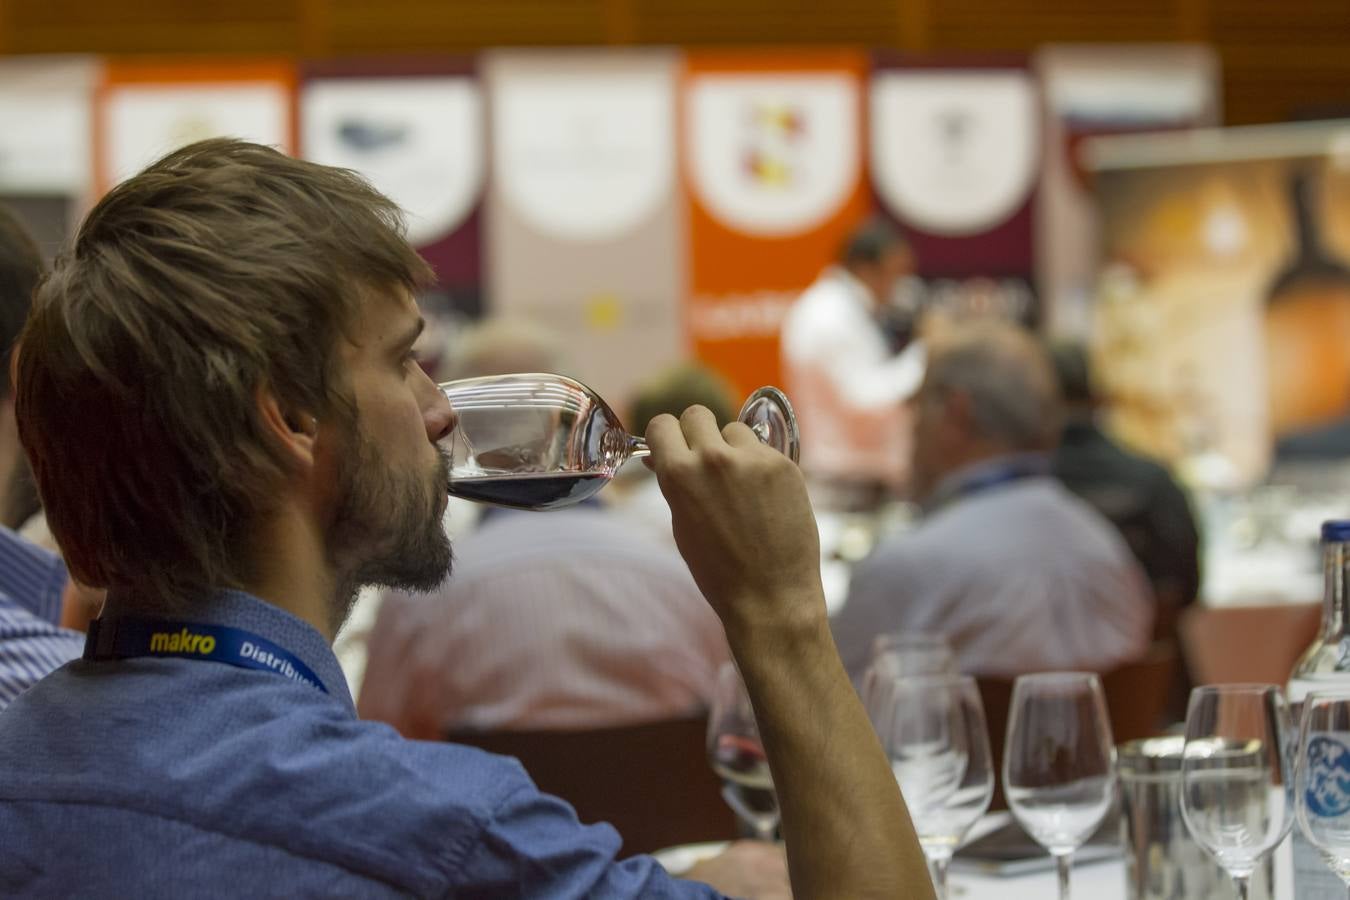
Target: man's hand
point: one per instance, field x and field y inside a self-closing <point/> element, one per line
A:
<point x="754" y="870"/>
<point x="741" y="520"/>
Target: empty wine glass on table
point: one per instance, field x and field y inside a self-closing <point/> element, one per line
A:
<point x="1322" y="778"/>
<point x="933" y="730"/>
<point x="542" y="441"/>
<point x="737" y="755"/>
<point x="1236" y="777"/>
<point x="1059" y="762"/>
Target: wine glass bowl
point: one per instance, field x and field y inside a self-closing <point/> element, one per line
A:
<point x="933" y="730"/>
<point x="1059" y="761"/>
<point x="542" y="441"/>
<point x="736" y="754"/>
<point x="1236" y="782"/>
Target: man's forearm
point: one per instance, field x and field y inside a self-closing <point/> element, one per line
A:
<point x="847" y="831"/>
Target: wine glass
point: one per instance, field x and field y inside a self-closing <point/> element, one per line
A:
<point x="905" y="654"/>
<point x="1236" y="783"/>
<point x="737" y="755"/>
<point x="1322" y="778"/>
<point x="1059" y="762"/>
<point x="933" y="730"/>
<point x="542" y="441"/>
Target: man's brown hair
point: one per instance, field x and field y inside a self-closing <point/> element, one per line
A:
<point x="222" y="270"/>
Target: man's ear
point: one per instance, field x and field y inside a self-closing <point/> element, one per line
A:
<point x="295" y="432"/>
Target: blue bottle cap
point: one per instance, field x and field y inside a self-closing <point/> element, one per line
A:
<point x="1335" y="531"/>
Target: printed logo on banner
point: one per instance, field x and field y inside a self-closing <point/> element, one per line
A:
<point x="777" y="154"/>
<point x="584" y="156"/>
<point x="419" y="140"/>
<point x="143" y="122"/>
<point x="954" y="153"/>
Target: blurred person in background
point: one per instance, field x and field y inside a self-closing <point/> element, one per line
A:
<point x="1135" y="494"/>
<point x="570" y="619"/>
<point x="634" y="492"/>
<point x="1017" y="573"/>
<point x="32" y="579"/>
<point x="847" y="386"/>
<point x="252" y="440"/>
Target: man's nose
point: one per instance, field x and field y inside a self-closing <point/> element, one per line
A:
<point x="439" y="416"/>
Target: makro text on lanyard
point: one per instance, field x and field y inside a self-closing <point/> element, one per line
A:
<point x="130" y="637"/>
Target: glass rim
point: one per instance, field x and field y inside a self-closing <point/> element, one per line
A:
<point x="1241" y="687"/>
<point x="1065" y="677"/>
<point x="936" y="679"/>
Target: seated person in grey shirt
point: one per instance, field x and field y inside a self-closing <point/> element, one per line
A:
<point x="1015" y="571"/>
<point x="217" y="389"/>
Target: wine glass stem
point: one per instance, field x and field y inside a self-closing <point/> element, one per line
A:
<point x="1063" y="863"/>
<point x="1240" y="882"/>
<point x="637" y="447"/>
<point x="940" y="877"/>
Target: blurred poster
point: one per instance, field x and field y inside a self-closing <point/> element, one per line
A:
<point x="1093" y="91"/>
<point x="417" y="131"/>
<point x="583" y="219"/>
<point x="147" y="109"/>
<point x="954" y="154"/>
<point x="46" y="115"/>
<point x="772" y="153"/>
<point x="1223" y="320"/>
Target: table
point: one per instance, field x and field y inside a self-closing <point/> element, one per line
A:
<point x="1095" y="881"/>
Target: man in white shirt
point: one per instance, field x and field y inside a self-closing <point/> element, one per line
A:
<point x="1018" y="573"/>
<point x="847" y="387"/>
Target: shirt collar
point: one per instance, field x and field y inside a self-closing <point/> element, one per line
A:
<point x="986" y="473"/>
<point x="239" y="609"/>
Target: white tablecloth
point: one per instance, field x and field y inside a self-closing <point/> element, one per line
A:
<point x="1095" y="881"/>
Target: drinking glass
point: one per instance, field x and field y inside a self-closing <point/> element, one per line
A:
<point x="933" y="730"/>
<point x="1059" y="762"/>
<point x="1322" y="778"/>
<point x="737" y="755"/>
<point x="542" y="441"/>
<point x="1236" y="779"/>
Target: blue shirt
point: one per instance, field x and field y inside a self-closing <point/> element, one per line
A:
<point x="170" y="777"/>
<point x="31" y="644"/>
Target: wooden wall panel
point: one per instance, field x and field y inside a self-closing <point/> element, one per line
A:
<point x="153" y="26"/>
<point x="1281" y="57"/>
<point x="420" y="26"/>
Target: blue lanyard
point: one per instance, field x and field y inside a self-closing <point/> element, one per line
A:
<point x="129" y="637"/>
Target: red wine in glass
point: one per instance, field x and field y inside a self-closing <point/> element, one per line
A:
<point x="541" y="441"/>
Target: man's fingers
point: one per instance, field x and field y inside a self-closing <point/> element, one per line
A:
<point x="666" y="439"/>
<point x="700" y="427"/>
<point x="738" y="434"/>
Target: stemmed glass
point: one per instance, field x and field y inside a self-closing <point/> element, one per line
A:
<point x="933" y="730"/>
<point x="737" y="755"/>
<point x="1236" y="779"/>
<point x="1322" y="778"/>
<point x="1059" y="762"/>
<point x="902" y="655"/>
<point x="543" y="441"/>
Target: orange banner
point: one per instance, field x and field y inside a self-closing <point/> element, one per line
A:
<point x="773" y="162"/>
<point x="146" y="108"/>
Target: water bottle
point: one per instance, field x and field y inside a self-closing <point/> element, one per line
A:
<point x="1325" y="664"/>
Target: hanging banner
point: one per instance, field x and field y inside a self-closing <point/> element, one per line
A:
<point x="416" y="130"/>
<point x="583" y="223"/>
<point x="773" y="159"/>
<point x="46" y="115"/>
<point x="1094" y="91"/>
<point x="954" y="155"/>
<point x="146" y="109"/>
